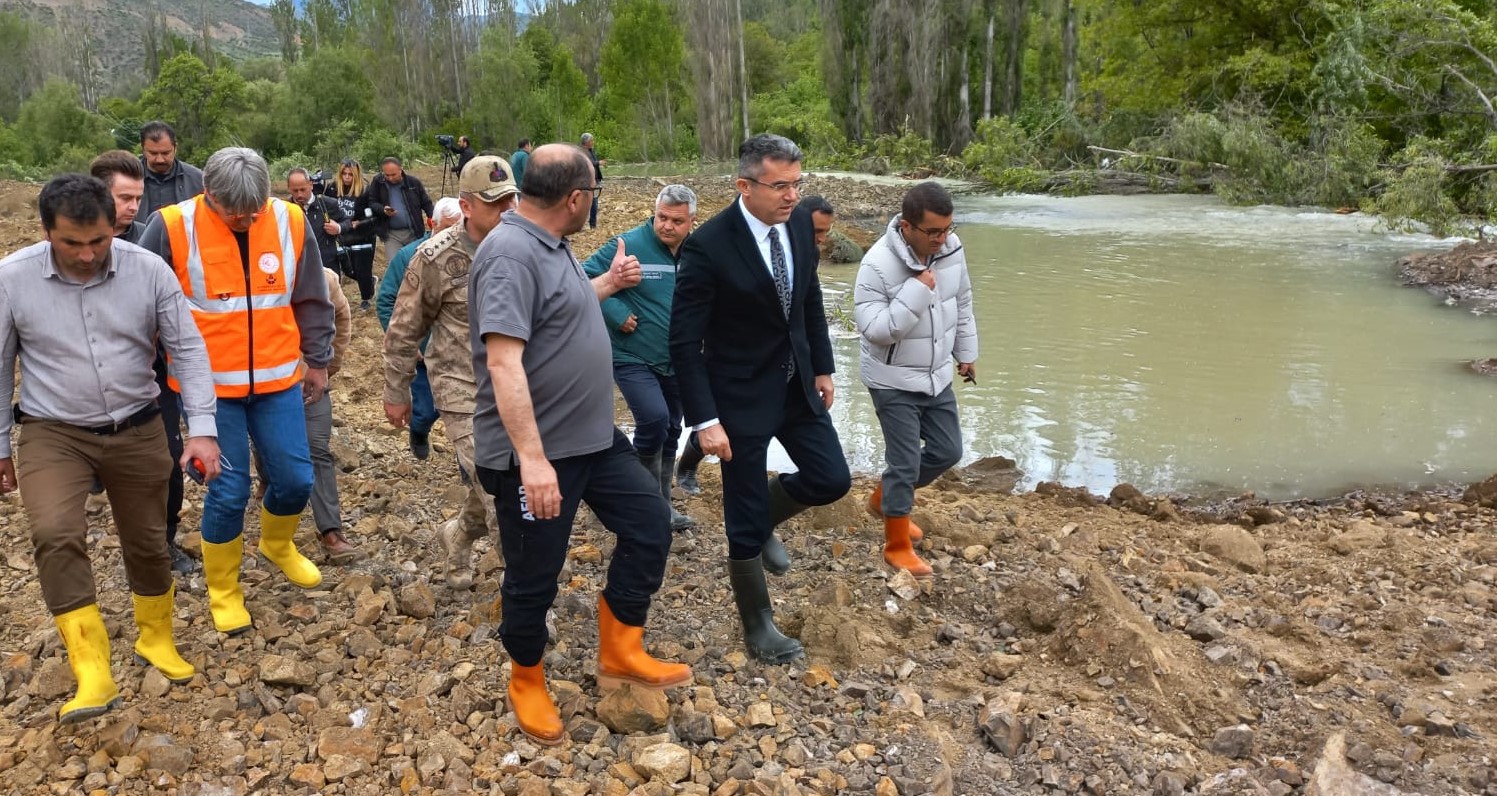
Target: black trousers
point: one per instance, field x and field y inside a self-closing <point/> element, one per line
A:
<point x="821" y="478"/>
<point x="171" y="417"/>
<point x="624" y="496"/>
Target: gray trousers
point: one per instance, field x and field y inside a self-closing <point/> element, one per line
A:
<point x="909" y="419"/>
<point x="325" y="509"/>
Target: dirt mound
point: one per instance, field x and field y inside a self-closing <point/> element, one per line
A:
<point x="1466" y="273"/>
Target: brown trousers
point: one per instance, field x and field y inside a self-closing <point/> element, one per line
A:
<point x="55" y="465"/>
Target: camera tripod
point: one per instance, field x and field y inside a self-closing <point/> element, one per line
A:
<point x="449" y="163"/>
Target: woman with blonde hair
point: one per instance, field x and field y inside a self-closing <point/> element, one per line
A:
<point x="356" y="246"/>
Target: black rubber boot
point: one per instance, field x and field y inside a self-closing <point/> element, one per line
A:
<point x="781" y="507"/>
<point x="686" y="469"/>
<point x="751" y="593"/>
<point x="679" y="521"/>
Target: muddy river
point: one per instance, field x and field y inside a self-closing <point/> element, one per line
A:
<point x="1181" y="344"/>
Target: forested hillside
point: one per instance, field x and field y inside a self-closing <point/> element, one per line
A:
<point x="1384" y="104"/>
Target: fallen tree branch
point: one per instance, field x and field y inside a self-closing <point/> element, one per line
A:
<point x="1161" y="158"/>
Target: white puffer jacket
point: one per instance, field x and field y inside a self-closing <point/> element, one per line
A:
<point x="912" y="335"/>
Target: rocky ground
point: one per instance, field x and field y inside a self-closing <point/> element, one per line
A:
<point x="1067" y="643"/>
<point x="1466" y="273"/>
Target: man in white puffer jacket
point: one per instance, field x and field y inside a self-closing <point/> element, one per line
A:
<point x="913" y="306"/>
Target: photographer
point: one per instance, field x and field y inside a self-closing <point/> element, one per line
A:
<point x="463" y="151"/>
<point x="327" y="218"/>
<point x="356" y="244"/>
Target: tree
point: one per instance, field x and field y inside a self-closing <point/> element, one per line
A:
<point x="200" y="103"/>
<point x="641" y="69"/>
<point x="283" y="16"/>
<point x="53" y="121"/>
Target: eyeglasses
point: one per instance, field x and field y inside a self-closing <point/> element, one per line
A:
<point x="780" y="187"/>
<point x="252" y="215"/>
<point x="935" y="233"/>
<point x="595" y="190"/>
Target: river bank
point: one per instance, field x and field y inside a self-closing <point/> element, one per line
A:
<point x="1068" y="642"/>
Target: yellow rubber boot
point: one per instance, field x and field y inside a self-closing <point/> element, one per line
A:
<point x="622" y="657"/>
<point x="279" y="547"/>
<point x="87" y="642"/>
<point x="876" y="508"/>
<point x="154" y="645"/>
<point x="225" y="597"/>
<point x="533" y="708"/>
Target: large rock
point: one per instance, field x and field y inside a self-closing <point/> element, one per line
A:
<point x="417" y="600"/>
<point x="664" y="761"/>
<point x="353" y="742"/>
<point x="1333" y="777"/>
<point x="1234" y="742"/>
<point x="628" y="709"/>
<point x="1359" y="535"/>
<point x="840" y="249"/>
<point x="1483" y="494"/>
<point x="1000" y="725"/>
<point x="276" y="670"/>
<point x="1233" y="545"/>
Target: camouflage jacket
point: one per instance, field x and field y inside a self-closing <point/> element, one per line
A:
<point x="434" y="298"/>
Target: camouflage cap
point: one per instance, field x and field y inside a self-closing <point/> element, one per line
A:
<point x="488" y="177"/>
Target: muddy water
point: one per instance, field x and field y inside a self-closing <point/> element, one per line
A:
<point x="1180" y="344"/>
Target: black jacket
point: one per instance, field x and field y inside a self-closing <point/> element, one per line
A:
<point x="463" y="156"/>
<point x="729" y="339"/>
<point x="352" y="235"/>
<point x="377" y="197"/>
<point x="319" y="211"/>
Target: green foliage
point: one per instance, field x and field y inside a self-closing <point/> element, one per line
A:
<point x="201" y="104"/>
<point x="1417" y="193"/>
<point x="53" y="125"/>
<point x="642" y="71"/>
<point x="1002" y="154"/>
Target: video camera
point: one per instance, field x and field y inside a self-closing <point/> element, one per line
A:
<point x="318" y="180"/>
<point x="448" y="143"/>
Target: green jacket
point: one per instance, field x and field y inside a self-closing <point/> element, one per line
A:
<point x="649" y="301"/>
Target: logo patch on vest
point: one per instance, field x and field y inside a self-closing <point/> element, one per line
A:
<point x="269" y="263"/>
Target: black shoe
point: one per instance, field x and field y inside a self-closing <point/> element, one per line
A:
<point x="181" y="562"/>
<point x="364" y="305"/>
<point x="420" y="445"/>
<point x="751" y="594"/>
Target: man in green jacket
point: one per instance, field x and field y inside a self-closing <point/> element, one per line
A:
<point x="638" y="320"/>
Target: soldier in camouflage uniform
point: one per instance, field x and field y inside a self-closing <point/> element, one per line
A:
<point x="434" y="298"/>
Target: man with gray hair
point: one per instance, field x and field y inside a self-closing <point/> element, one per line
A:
<point x="639" y="323"/>
<point x="323" y="212"/>
<point x="753" y="357"/>
<point x="251" y="272"/>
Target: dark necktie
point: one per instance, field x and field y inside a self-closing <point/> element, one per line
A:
<point x="781" y="273"/>
<point x="781" y="285"/>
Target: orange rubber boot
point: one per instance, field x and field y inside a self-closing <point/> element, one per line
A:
<point x="622" y="657"/>
<point x="898" y="551"/>
<point x="532" y="705"/>
<point x="876" y="508"/>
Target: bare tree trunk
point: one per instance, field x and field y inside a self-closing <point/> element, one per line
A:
<point x="1068" y="49"/>
<point x="742" y="70"/>
<point x="1013" y="91"/>
<point x="987" y="72"/>
<point x="964" y="109"/>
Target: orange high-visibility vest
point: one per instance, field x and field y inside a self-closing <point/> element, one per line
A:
<point x="244" y="314"/>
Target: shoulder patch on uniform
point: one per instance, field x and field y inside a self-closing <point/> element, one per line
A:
<point x="438" y="243"/>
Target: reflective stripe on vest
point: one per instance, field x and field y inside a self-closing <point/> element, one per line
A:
<point x="250" y="329"/>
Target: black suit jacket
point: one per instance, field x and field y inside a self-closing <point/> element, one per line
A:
<point x="729" y="339"/>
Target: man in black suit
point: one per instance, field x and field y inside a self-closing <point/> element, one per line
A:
<point x="753" y="360"/>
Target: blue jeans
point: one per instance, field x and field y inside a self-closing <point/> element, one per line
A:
<point x="423" y="406"/>
<point x="656" y="405"/>
<point x="277" y="424"/>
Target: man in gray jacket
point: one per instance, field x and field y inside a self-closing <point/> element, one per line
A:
<point x="913" y="306"/>
<point x="169" y="180"/>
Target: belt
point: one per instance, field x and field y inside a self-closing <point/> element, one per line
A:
<point x="149" y="413"/>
